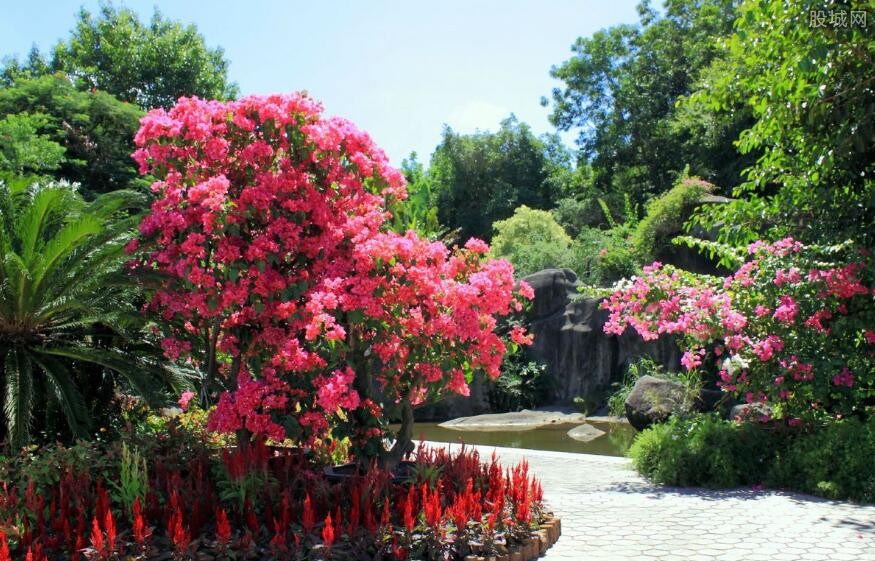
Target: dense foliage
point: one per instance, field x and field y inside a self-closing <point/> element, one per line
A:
<point x="480" y="178"/>
<point x="65" y="307"/>
<point x="82" y="137"/>
<point x="809" y="89"/>
<point x="23" y="149"/>
<point x="833" y="460"/>
<point x="532" y="240"/>
<point x="150" y="65"/>
<point x="620" y="90"/>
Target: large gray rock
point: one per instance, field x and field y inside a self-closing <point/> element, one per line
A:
<point x="520" y="420"/>
<point x="653" y="400"/>
<point x="569" y="338"/>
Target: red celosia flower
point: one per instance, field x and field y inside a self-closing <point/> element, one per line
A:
<point x="407" y="511"/>
<point x="251" y="519"/>
<point x="328" y="532"/>
<point x="308" y="519"/>
<point x="355" y="509"/>
<point x="385" y="519"/>
<point x="431" y="504"/>
<point x="139" y="524"/>
<point x="177" y="532"/>
<point x="223" y="528"/>
<point x="278" y="541"/>
<point x="370" y="520"/>
<point x="97" y="541"/>
<point x="4" y="548"/>
<point x="109" y="527"/>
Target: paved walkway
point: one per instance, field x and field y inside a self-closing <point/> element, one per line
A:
<point x="610" y="513"/>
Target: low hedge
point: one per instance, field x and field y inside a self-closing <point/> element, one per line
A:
<point x="833" y="461"/>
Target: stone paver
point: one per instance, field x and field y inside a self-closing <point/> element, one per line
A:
<point x="610" y="513"/>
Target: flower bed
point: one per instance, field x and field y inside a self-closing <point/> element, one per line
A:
<point x="258" y="502"/>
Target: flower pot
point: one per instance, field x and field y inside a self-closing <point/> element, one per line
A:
<point x="543" y="541"/>
<point x="547" y="529"/>
<point x="517" y="555"/>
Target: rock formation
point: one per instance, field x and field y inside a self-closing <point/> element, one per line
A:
<point x="569" y="338"/>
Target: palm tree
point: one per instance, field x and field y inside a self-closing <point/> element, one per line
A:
<point x="66" y="304"/>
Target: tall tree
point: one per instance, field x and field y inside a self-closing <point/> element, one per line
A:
<point x="95" y="130"/>
<point x="150" y="64"/>
<point x="809" y="84"/>
<point x="479" y="178"/>
<point x="621" y="88"/>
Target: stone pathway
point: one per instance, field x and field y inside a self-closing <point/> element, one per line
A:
<point x="610" y="513"/>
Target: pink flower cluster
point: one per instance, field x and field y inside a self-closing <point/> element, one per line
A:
<point x="270" y="226"/>
<point x="773" y="330"/>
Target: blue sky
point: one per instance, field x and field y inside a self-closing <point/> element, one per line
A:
<point x="399" y="70"/>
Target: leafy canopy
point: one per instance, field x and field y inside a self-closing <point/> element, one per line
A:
<point x="532" y="240"/>
<point x="480" y="178"/>
<point x="620" y="89"/>
<point x="83" y="137"/>
<point x="149" y="64"/>
<point x="810" y="92"/>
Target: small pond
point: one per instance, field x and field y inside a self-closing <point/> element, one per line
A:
<point x="615" y="441"/>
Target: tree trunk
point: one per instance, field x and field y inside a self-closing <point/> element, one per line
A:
<point x="403" y="439"/>
<point x="212" y="366"/>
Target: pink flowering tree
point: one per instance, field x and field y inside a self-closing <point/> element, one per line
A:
<point x="791" y="328"/>
<point x="279" y="280"/>
<point x="419" y="320"/>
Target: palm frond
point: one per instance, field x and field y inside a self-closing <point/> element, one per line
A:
<point x="142" y="377"/>
<point x="18" y="405"/>
<point x="66" y="393"/>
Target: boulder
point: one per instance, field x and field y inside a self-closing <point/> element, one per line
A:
<point x="746" y="411"/>
<point x="653" y="400"/>
<point x="583" y="360"/>
<point x="585" y="432"/>
<point x="520" y="420"/>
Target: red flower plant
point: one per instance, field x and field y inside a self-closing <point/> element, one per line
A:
<point x="328" y="532"/>
<point x="223" y="528"/>
<point x="4" y="548"/>
<point x="97" y="541"/>
<point x="308" y="519"/>
<point x="139" y="524"/>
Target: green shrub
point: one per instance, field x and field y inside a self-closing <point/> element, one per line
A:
<point x="836" y="461"/>
<point x="703" y="450"/>
<point x="522" y="384"/>
<point x="532" y="240"/>
<point x="666" y="215"/>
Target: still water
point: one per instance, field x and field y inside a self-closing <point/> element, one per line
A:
<point x="615" y="441"/>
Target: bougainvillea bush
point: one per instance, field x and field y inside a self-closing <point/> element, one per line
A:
<point x="793" y="327"/>
<point x="280" y="280"/>
<point x="176" y="495"/>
